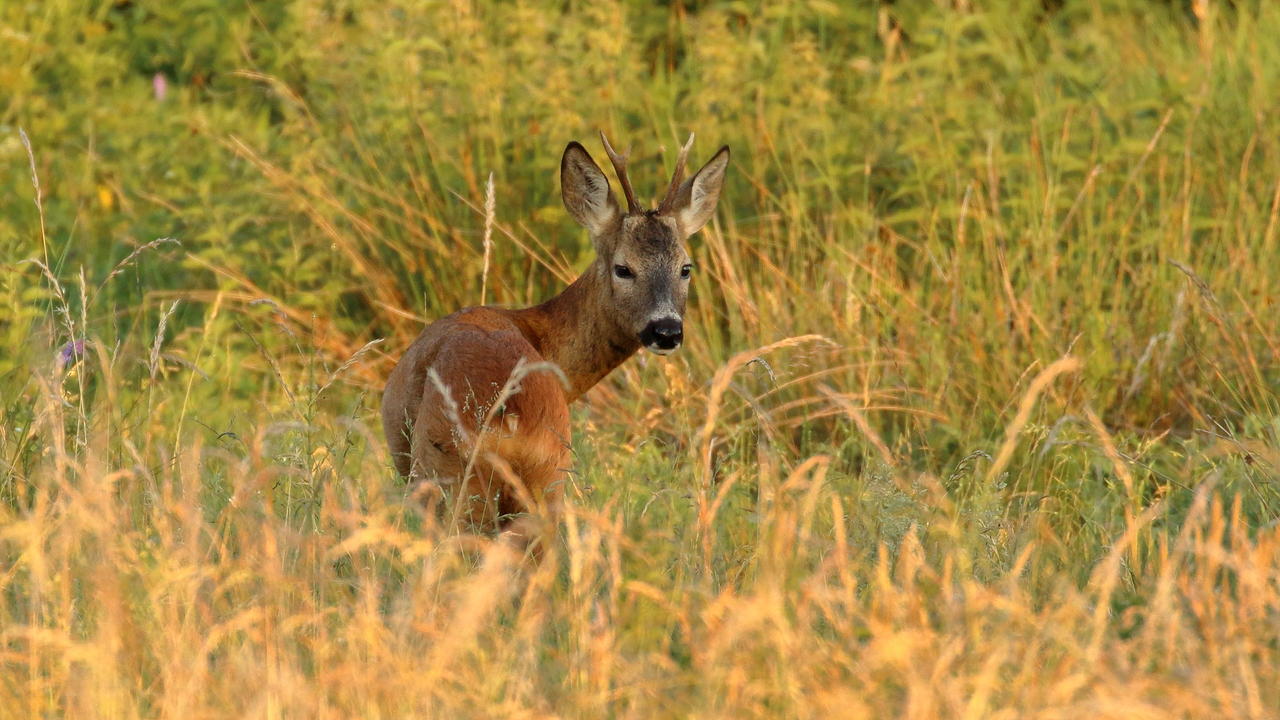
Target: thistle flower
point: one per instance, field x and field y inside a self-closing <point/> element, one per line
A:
<point x="69" y="355"/>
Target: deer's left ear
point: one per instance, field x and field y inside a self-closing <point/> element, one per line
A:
<point x="695" y="201"/>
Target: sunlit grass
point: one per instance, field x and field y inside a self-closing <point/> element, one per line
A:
<point x="977" y="415"/>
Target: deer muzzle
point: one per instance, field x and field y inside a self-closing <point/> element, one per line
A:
<point x="663" y="335"/>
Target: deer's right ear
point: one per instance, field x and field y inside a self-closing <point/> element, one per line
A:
<point x="586" y="191"/>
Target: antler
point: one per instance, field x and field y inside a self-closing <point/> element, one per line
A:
<point x="677" y="177"/>
<point x="620" y="167"/>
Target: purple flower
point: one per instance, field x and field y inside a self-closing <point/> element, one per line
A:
<point x="159" y="85"/>
<point x="69" y="355"/>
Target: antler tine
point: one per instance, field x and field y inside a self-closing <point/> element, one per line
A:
<point x="677" y="177"/>
<point x="620" y="168"/>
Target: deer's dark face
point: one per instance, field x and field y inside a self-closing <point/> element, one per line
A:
<point x="649" y="271"/>
<point x="642" y="253"/>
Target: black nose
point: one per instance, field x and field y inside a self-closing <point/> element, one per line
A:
<point x="665" y="333"/>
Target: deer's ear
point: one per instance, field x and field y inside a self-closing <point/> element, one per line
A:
<point x="695" y="201"/>
<point x="586" y="191"/>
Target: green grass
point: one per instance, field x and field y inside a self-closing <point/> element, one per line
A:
<point x="1029" y="469"/>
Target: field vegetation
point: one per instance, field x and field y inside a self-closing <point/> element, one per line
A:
<point x="978" y="412"/>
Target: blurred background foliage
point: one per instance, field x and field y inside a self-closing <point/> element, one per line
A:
<point x="331" y="156"/>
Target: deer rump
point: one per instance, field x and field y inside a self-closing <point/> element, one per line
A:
<point x="492" y="465"/>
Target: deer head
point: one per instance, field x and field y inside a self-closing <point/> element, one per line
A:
<point x="640" y="254"/>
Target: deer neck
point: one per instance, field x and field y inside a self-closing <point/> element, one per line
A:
<point x="573" y="331"/>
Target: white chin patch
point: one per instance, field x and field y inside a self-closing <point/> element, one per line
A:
<point x="661" y="351"/>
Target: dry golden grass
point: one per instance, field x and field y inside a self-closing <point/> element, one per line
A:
<point x="163" y="609"/>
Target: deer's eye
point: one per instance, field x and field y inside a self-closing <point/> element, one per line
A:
<point x="685" y="271"/>
<point x="623" y="272"/>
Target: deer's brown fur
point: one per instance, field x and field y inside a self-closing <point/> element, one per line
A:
<point x="502" y="461"/>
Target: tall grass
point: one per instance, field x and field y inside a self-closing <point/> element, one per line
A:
<point x="977" y="416"/>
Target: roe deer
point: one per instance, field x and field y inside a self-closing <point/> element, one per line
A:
<point x="502" y="459"/>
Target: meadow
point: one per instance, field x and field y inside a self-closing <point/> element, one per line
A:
<point x="977" y="415"/>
